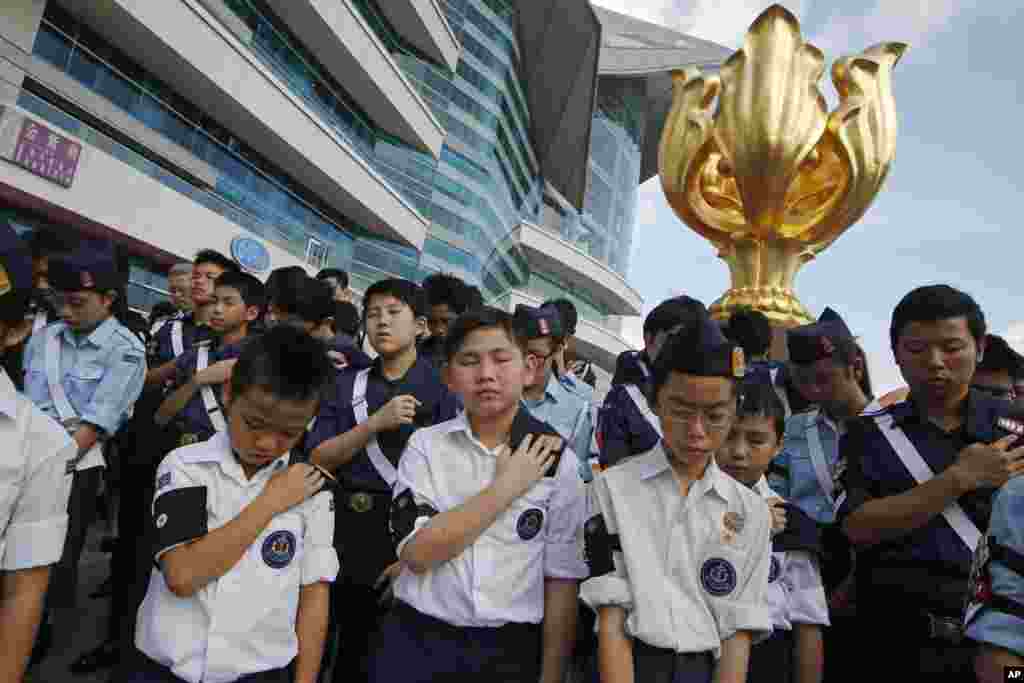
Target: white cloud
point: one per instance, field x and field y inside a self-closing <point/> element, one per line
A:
<point x="908" y="21"/>
<point x="721" y="21"/>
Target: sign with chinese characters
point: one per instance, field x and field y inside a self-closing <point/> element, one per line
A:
<point x="45" y="153"/>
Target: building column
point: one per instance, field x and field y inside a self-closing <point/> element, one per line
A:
<point x="19" y="22"/>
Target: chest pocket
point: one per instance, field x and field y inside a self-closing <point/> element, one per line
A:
<point x="526" y="519"/>
<point x="81" y="383"/>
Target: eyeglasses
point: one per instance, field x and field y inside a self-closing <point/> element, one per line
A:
<point x="996" y="392"/>
<point x="714" y="420"/>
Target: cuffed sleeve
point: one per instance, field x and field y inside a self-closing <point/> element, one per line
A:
<point x="414" y="493"/>
<point x="807" y="603"/>
<point x="39" y="519"/>
<point x="612" y="585"/>
<point x="319" y="558"/>
<point x="745" y="608"/>
<point x="117" y="390"/>
<point x="563" y="543"/>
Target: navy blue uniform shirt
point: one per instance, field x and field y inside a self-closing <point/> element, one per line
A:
<point x="927" y="568"/>
<point x="191" y="334"/>
<point x="623" y="429"/>
<point x="194" y="418"/>
<point x="337" y="416"/>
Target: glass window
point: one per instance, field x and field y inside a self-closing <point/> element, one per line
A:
<point x="51" y="46"/>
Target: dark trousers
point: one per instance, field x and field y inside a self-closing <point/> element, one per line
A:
<point x="416" y="648"/>
<point x="771" y="660"/>
<point x="656" y="665"/>
<point x="132" y="560"/>
<point x="901" y="646"/>
<point x="145" y="670"/>
<point x="355" y="618"/>
<point x="81" y="514"/>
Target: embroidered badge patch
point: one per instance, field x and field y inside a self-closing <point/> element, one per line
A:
<point x="718" y="577"/>
<point x="161" y="521"/>
<point x="164" y="481"/>
<point x="279" y="549"/>
<point x="774" y="570"/>
<point x="529" y="523"/>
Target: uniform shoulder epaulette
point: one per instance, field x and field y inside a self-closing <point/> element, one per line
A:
<point x="801" y="533"/>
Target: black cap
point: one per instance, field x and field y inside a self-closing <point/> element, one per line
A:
<point x="704" y="351"/>
<point x="538" y="322"/>
<point x="84" y="269"/>
<point x="810" y="343"/>
<point x="15" y="262"/>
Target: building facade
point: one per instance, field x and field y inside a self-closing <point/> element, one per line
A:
<point x="497" y="140"/>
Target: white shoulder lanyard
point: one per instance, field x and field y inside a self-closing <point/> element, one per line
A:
<point x="645" y="410"/>
<point x="209" y="399"/>
<point x="379" y="461"/>
<point x="68" y="415"/>
<point x="817" y="453"/>
<point x="921" y="472"/>
<point x="780" y="391"/>
<point x="177" y="345"/>
<point x="53" y="376"/>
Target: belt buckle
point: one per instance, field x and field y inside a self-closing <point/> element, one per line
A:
<point x="188" y="439"/>
<point x="944" y="628"/>
<point x="360" y="502"/>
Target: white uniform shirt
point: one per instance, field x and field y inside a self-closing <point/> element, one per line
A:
<point x="795" y="590"/>
<point x="35" y="482"/>
<point x="691" y="571"/>
<point x="244" y="622"/>
<point x="499" y="579"/>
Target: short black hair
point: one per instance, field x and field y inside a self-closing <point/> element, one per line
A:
<point x="284" y="361"/>
<point x="671" y="312"/>
<point x="479" y="319"/>
<point x="249" y="287"/>
<point x="162" y="309"/>
<point x="216" y="258"/>
<point x="750" y="330"/>
<point x="445" y="288"/>
<point x="280" y="275"/>
<point x="758" y="399"/>
<point x="346" y="318"/>
<point x="14" y="306"/>
<point x="46" y="243"/>
<point x="847" y="352"/>
<point x="476" y="297"/>
<point x="932" y="303"/>
<point x="310" y="300"/>
<point x="409" y="293"/>
<point x="567" y="312"/>
<point x="335" y="273"/>
<point x="677" y="356"/>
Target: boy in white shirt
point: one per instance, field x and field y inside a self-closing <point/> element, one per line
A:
<point x="243" y="540"/>
<point x="488" y="518"/>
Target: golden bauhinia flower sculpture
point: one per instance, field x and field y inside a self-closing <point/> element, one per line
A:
<point x="769" y="176"/>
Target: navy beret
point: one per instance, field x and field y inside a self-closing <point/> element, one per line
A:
<point x="538" y="322"/>
<point x="813" y="342"/>
<point x="704" y="351"/>
<point x="84" y="269"/>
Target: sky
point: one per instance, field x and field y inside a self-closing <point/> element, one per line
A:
<point x="950" y="210"/>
